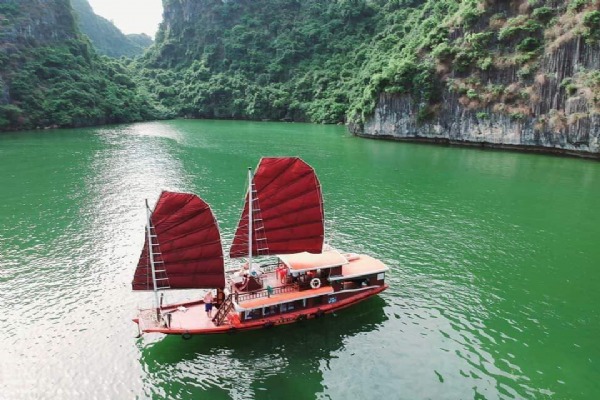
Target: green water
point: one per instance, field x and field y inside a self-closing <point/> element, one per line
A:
<point x="494" y="257"/>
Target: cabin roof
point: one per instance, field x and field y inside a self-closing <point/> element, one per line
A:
<point x="299" y="262"/>
<point x="284" y="298"/>
<point x="359" y="266"/>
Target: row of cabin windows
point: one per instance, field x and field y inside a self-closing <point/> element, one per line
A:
<point x="315" y="301"/>
<point x="359" y="282"/>
<point x="281" y="308"/>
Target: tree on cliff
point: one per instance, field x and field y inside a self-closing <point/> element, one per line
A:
<point x="51" y="76"/>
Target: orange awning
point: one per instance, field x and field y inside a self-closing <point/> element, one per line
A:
<point x="360" y="266"/>
<point x="304" y="261"/>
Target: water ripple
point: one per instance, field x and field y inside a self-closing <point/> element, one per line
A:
<point x="492" y="276"/>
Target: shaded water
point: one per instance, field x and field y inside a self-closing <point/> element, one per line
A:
<point x="494" y="268"/>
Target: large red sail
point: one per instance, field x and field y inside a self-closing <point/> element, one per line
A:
<point x="186" y="243"/>
<point x="287" y="209"/>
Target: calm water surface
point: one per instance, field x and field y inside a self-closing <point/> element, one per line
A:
<point x="494" y="257"/>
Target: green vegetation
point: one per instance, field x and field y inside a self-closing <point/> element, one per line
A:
<point x="105" y="36"/>
<point x="311" y="60"/>
<point x="70" y="86"/>
<point x="54" y="78"/>
<point x="307" y="61"/>
<point x="329" y="61"/>
<point x="591" y="20"/>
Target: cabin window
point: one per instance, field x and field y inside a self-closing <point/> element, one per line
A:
<point x="251" y="314"/>
<point x="286" y="307"/>
<point x="269" y="310"/>
<point x="353" y="284"/>
<point x="381" y="276"/>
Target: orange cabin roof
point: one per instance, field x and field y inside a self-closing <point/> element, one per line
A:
<point x="304" y="261"/>
<point x="284" y="298"/>
<point x="361" y="265"/>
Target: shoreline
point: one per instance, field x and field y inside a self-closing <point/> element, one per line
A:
<point x="554" y="151"/>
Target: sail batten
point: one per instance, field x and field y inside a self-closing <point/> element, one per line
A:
<point x="188" y="245"/>
<point x="288" y="196"/>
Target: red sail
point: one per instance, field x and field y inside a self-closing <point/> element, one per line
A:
<point x="288" y="210"/>
<point x="187" y="246"/>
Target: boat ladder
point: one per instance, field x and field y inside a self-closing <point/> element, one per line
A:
<point x="162" y="280"/>
<point x="223" y="311"/>
<point x="262" y="247"/>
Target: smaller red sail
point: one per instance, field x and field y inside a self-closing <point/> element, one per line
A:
<point x="186" y="245"/>
<point x="287" y="210"/>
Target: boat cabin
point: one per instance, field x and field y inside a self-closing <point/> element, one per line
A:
<point x="303" y="280"/>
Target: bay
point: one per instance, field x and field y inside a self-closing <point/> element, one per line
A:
<point x="494" y="262"/>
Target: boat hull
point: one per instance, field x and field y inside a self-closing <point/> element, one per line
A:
<point x="196" y="322"/>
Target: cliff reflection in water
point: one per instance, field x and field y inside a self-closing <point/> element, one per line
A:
<point x="286" y="360"/>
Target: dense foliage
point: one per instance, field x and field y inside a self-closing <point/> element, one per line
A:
<point x="105" y="36"/>
<point x="69" y="85"/>
<point x="327" y="61"/>
<point x="282" y="59"/>
<point x="53" y="77"/>
<point x="311" y="60"/>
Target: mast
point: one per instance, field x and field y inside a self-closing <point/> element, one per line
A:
<point x="286" y="196"/>
<point x="183" y="247"/>
<point x="250" y="220"/>
<point x="151" y="254"/>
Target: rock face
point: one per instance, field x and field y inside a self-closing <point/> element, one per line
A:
<point x="178" y="31"/>
<point x="554" y="107"/>
<point x="560" y="122"/>
<point x="50" y="76"/>
<point x="105" y="36"/>
<point x="395" y="118"/>
<point x="4" y="93"/>
<point x="44" y="21"/>
<point x="29" y="23"/>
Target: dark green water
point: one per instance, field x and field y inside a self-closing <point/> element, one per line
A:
<point x="494" y="257"/>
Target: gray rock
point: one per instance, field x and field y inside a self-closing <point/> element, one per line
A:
<point x="559" y="122"/>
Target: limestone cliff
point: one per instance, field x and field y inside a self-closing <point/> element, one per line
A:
<point x="105" y="36"/>
<point x="550" y="102"/>
<point x="50" y="76"/>
<point x="42" y="21"/>
<point x="24" y="24"/>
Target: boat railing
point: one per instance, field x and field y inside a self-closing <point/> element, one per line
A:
<point x="257" y="294"/>
<point x="268" y="267"/>
<point x="264" y="268"/>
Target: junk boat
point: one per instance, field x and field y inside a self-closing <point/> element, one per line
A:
<point x="282" y="222"/>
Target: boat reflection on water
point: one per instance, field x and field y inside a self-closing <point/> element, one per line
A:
<point x="281" y="360"/>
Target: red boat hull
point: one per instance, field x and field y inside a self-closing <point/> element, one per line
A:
<point x="235" y="325"/>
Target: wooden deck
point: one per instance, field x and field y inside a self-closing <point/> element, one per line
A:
<point x="190" y="318"/>
<point x="187" y="318"/>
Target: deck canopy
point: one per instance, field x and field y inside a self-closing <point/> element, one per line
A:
<point x="304" y="261"/>
<point x="186" y="244"/>
<point x="287" y="210"/>
<point x="360" y="266"/>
